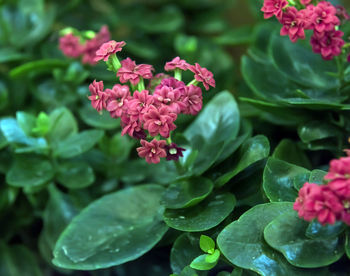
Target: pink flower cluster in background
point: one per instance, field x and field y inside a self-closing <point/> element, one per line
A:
<point x="72" y="46"/>
<point x="322" y="18"/>
<point x="151" y="113"/>
<point x="327" y="203"/>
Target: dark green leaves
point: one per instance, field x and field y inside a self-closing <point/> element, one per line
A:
<point x="75" y="175"/>
<point x="112" y="230"/>
<point x="203" y="216"/>
<point x="215" y="126"/>
<point x="77" y="143"/>
<point x="92" y="118"/>
<point x="187" y="193"/>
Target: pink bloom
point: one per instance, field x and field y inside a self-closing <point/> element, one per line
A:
<point x="152" y="151"/>
<point x="109" y="48"/>
<point x="103" y="35"/>
<point x="305" y="2"/>
<point x="139" y="104"/>
<point x="345" y="215"/>
<point x="98" y="97"/>
<point x="339" y="174"/>
<point x="159" y="121"/>
<point x="294" y="23"/>
<point x="342" y="13"/>
<point x="176" y="63"/>
<point x="117" y="99"/>
<point x="130" y="126"/>
<point x="193" y="100"/>
<point x="324" y="17"/>
<point x="132" y="72"/>
<point x="328" y="44"/>
<point x="203" y="75"/>
<point x="171" y="92"/>
<point x="273" y="7"/>
<point x="70" y="46"/>
<point x="318" y="202"/>
<point x="156" y="80"/>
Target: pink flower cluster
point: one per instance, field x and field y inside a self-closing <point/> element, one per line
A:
<point x="327" y="203"/>
<point x="322" y="19"/>
<point x="150" y="113"/>
<point x="71" y="46"/>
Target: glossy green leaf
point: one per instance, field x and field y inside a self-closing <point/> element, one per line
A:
<point x="63" y="124"/>
<point x="92" y="118"/>
<point x="29" y="171"/>
<point x="214" y="257"/>
<point x="280" y="178"/>
<point x="37" y="67"/>
<point x="10" y="54"/>
<point x="206" y="243"/>
<point x="316" y="176"/>
<point x="205" y="215"/>
<point x="286" y="233"/>
<point x="18" y="260"/>
<point x="75" y="175"/>
<point x="112" y="230"/>
<point x="316" y="230"/>
<point x="217" y="123"/>
<point x="26" y="122"/>
<point x="187" y="193"/>
<point x="347" y="244"/>
<point x="317" y="130"/>
<point x="252" y="150"/>
<point x="78" y="143"/>
<point x="200" y="263"/>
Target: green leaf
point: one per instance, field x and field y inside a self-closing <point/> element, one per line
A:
<point x="280" y="178"/>
<point x="4" y="95"/>
<point x="217" y="124"/>
<point x="205" y="215"/>
<point x="112" y="230"/>
<point x="37" y="67"/>
<point x="214" y="257"/>
<point x="243" y="244"/>
<point x="317" y="130"/>
<point x="206" y="243"/>
<point x="316" y="230"/>
<point x="184" y="250"/>
<point x="347" y="244"/>
<point x="286" y="233"/>
<point x="288" y="151"/>
<point x="200" y="263"/>
<point x="303" y="66"/>
<point x="63" y="124"/>
<point x="187" y="193"/>
<point x="237" y="36"/>
<point x="316" y="176"/>
<point x="26" y="122"/>
<point x="77" y="143"/>
<point x="29" y="171"/>
<point x="18" y="260"/>
<point x="92" y="118"/>
<point x="253" y="150"/>
<point x="42" y="124"/>
<point x="10" y="54"/>
<point x="118" y="146"/>
<point x="75" y="175"/>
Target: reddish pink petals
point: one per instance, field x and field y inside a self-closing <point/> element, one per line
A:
<point x="193" y="100"/>
<point x="305" y="2"/>
<point x="117" y="100"/>
<point x="324" y="17"/>
<point x="132" y="72"/>
<point x="339" y="174"/>
<point x="152" y="151"/>
<point x="203" y="75"/>
<point x="318" y="202"/>
<point x="70" y="46"/>
<point x="159" y="121"/>
<point x="98" y="97"/>
<point x="139" y="104"/>
<point x="176" y="63"/>
<point x="328" y="44"/>
<point x="273" y="7"/>
<point x="109" y="48"/>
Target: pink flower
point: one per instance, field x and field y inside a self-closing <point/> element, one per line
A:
<point x="273" y="7"/>
<point x="318" y="202"/>
<point x="328" y="44"/>
<point x="156" y="80"/>
<point x="193" y="100"/>
<point x="70" y="46"/>
<point x="109" y="48"/>
<point x="342" y="13"/>
<point x="98" y="97"/>
<point x="339" y="174"/>
<point x="139" y="104"/>
<point x="203" y="75"/>
<point x="132" y="72"/>
<point x="130" y="126"/>
<point x="305" y="2"/>
<point x="176" y="63"/>
<point x="117" y="99"/>
<point x="159" y="121"/>
<point x="324" y="17"/>
<point x="294" y="23"/>
<point x="171" y="92"/>
<point x="152" y="151"/>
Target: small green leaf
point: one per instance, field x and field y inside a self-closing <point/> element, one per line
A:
<point x="42" y="124"/>
<point x="187" y="193"/>
<point x="214" y="257"/>
<point x="199" y="263"/>
<point x="205" y="215"/>
<point x="63" y="124"/>
<point x="77" y="143"/>
<point x="75" y="175"/>
<point x="26" y="122"/>
<point x="206" y="243"/>
<point x="92" y="118"/>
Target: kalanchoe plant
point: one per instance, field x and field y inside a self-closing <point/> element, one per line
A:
<point x="149" y="114"/>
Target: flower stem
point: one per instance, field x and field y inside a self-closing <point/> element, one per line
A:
<point x="178" y="74"/>
<point x="115" y="63"/>
<point x="194" y="82"/>
<point x="141" y="85"/>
